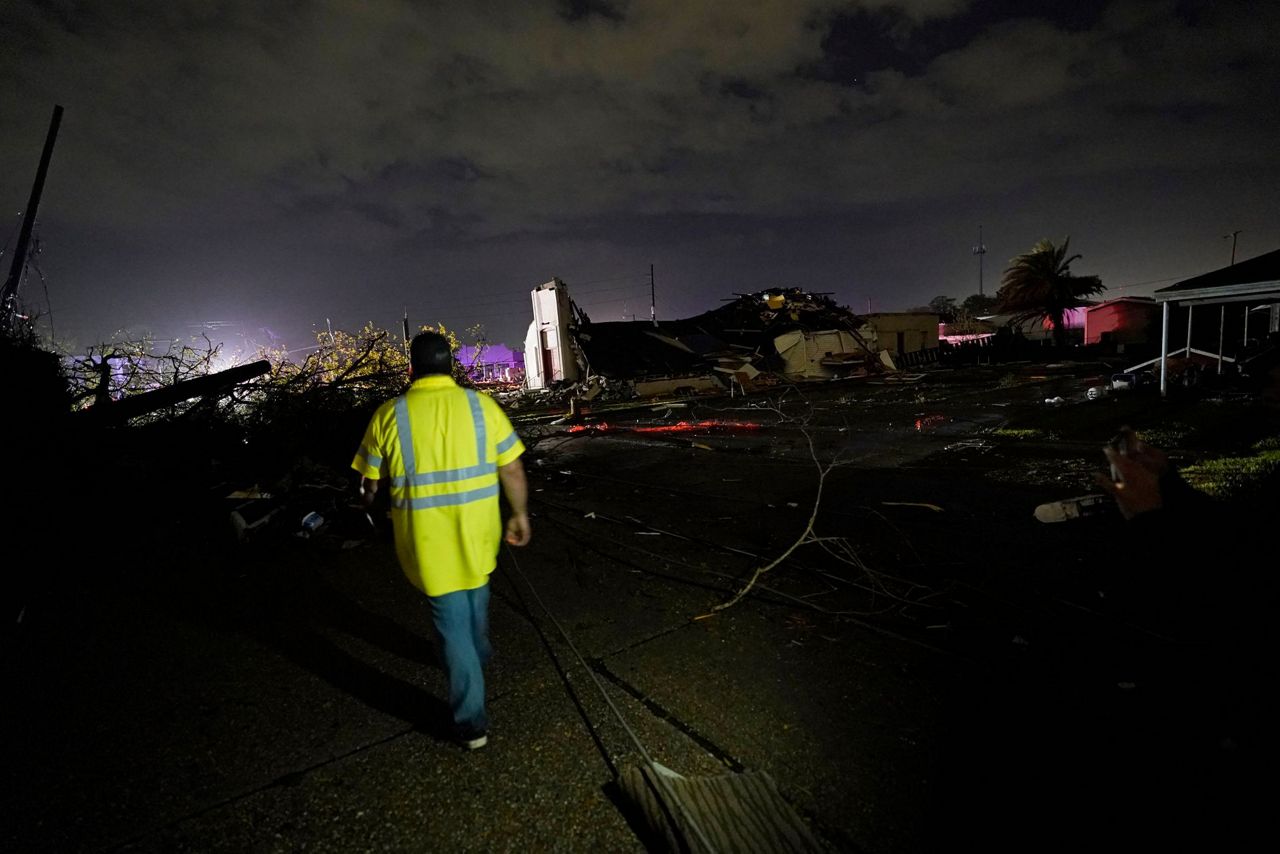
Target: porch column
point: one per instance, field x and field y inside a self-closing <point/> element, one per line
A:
<point x="1222" y="326"/>
<point x="1164" y="351"/>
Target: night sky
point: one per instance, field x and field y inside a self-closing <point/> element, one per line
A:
<point x="259" y="167"/>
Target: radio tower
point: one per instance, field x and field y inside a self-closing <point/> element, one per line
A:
<point x="980" y="250"/>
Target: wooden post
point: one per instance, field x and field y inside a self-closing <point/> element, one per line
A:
<point x="9" y="295"/>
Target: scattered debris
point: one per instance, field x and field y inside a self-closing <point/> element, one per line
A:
<point x="1135" y="380"/>
<point x="921" y="504"/>
<point x="683" y="385"/>
<point x="252" y="492"/>
<point x="928" y="422"/>
<point x="252" y="515"/>
<point x="1072" y="508"/>
<point x="311" y="523"/>
<point x="300" y="506"/>
<point x="970" y="444"/>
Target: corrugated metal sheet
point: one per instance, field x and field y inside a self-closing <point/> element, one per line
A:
<point x="735" y="812"/>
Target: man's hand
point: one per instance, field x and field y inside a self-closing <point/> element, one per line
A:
<point x="519" y="531"/>
<point x="1137" y="487"/>
<point x="1139" y="451"/>
<point x="368" y="490"/>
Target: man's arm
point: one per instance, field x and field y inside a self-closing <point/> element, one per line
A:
<point x="516" y="488"/>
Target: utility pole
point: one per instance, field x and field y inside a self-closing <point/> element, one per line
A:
<point x="9" y="295"/>
<point x="1232" y="237"/>
<point x="980" y="250"/>
<point x="653" y="304"/>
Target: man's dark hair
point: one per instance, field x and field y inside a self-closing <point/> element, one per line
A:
<point x="430" y="353"/>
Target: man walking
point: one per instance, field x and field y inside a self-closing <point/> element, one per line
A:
<point x="446" y="450"/>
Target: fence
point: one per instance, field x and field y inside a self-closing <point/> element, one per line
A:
<point x="916" y="358"/>
<point x="996" y="349"/>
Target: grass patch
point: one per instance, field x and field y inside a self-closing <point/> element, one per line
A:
<point x="1018" y="433"/>
<point x="1166" y="436"/>
<point x="1227" y="477"/>
<point x="1008" y="381"/>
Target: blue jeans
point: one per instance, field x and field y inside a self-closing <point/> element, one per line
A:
<point x="462" y="621"/>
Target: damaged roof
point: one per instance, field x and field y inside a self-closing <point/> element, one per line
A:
<point x="744" y="328"/>
<point x="776" y="311"/>
<point x="635" y="348"/>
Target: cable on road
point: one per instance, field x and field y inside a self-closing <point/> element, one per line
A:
<point x="667" y="796"/>
<point x="899" y="600"/>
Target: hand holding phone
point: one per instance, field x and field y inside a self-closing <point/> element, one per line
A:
<point x="1136" y="470"/>
<point x="1120" y="444"/>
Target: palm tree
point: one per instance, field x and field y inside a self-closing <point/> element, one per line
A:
<point x="1039" y="284"/>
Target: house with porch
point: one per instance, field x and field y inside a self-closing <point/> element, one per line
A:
<point x="1232" y="315"/>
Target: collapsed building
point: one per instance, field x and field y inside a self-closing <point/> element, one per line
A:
<point x="753" y="340"/>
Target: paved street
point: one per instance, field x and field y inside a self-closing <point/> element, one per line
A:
<point x="897" y="677"/>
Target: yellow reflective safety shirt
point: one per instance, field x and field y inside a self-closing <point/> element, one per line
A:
<point x="440" y="446"/>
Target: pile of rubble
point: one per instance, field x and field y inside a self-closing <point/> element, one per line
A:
<point x="755" y="341"/>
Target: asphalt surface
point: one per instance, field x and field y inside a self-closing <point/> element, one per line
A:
<point x="902" y="676"/>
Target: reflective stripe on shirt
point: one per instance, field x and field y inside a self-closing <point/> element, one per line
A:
<point x="371" y="458"/>
<point x="447" y="499"/>
<point x="413" y="477"/>
<point x="506" y="443"/>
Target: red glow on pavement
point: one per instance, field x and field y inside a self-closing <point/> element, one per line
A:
<point x="697" y="426"/>
<point x="679" y="427"/>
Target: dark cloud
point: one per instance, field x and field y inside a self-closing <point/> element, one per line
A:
<point x="491" y="140"/>
<point x="577" y="10"/>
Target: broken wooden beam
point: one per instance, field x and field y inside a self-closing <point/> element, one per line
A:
<point x="117" y="411"/>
